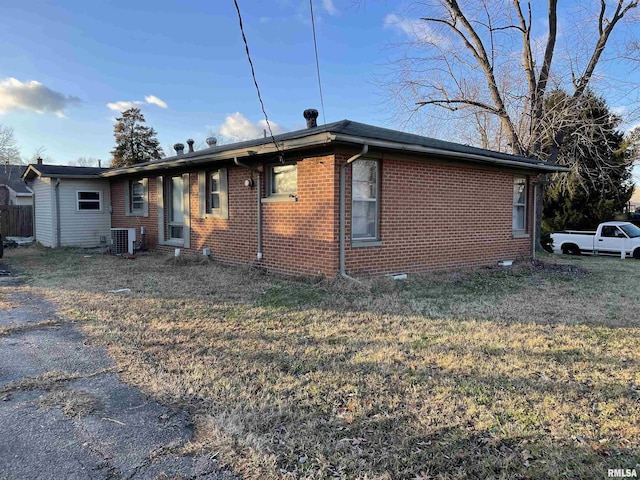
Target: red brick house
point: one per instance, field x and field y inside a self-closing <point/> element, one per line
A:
<point x="343" y="198"/>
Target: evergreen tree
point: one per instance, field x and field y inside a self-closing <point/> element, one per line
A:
<point x="135" y="143"/>
<point x="599" y="184"/>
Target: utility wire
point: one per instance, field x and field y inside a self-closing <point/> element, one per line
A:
<point x="315" y="46"/>
<point x="253" y="74"/>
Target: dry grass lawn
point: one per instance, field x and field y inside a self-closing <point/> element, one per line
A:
<point x="531" y="372"/>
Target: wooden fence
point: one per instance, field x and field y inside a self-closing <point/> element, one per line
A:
<point x="16" y="221"/>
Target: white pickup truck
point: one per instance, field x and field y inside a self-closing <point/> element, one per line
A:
<point x="611" y="238"/>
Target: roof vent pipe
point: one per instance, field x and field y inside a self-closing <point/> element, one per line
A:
<point x="179" y="148"/>
<point x="311" y="116"/>
<point x="190" y="142"/>
<point x="212" y="141"/>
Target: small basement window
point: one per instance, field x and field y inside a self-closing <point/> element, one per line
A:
<point x="89" y="200"/>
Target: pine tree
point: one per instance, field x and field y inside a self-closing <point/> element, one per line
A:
<point x="599" y="184"/>
<point x="135" y="143"/>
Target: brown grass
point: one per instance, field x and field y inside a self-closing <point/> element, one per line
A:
<point x="72" y="403"/>
<point x="531" y="372"/>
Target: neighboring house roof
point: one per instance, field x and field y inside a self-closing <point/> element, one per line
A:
<point x="11" y="176"/>
<point x="61" y="171"/>
<point x="343" y="132"/>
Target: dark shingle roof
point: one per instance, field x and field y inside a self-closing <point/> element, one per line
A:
<point x="347" y="131"/>
<point x="66" y="171"/>
<point x="11" y="176"/>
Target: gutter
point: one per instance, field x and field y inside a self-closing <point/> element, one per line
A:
<point x="322" y="139"/>
<point x="259" y="187"/>
<point x="541" y="166"/>
<point x="343" y="168"/>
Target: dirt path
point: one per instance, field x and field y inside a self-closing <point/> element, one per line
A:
<point x="64" y="413"/>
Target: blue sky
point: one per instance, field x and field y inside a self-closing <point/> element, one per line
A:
<point x="68" y="67"/>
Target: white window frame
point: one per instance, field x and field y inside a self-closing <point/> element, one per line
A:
<point x="79" y="201"/>
<point x="173" y="223"/>
<point x="144" y="210"/>
<point x="354" y="199"/>
<point x="280" y="196"/>
<point x="204" y="194"/>
<point x="518" y="180"/>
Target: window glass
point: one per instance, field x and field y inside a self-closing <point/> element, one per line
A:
<point x="631" y="230"/>
<point x="214" y="190"/>
<point x="137" y="195"/>
<point x="520" y="203"/>
<point x="284" y="179"/>
<point x="364" y="194"/>
<point x="88" y="200"/>
<point x="176" y="210"/>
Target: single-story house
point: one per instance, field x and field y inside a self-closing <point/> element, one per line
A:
<point x="72" y="205"/>
<point x="342" y="198"/>
<point x="13" y="190"/>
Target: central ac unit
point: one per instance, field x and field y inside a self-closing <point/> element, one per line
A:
<point x="122" y="240"/>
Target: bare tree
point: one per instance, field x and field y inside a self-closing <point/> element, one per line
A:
<point x="86" y="162"/>
<point x="489" y="65"/>
<point x="9" y="152"/>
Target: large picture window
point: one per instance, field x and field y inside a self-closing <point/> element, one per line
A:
<point x="89" y="200"/>
<point x="364" y="196"/>
<point x="520" y="205"/>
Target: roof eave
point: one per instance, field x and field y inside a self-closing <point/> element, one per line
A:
<point x="484" y="159"/>
<point x="315" y="140"/>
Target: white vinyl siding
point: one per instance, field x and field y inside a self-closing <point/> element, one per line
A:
<point x="78" y="228"/>
<point x="85" y="227"/>
<point x="44" y="211"/>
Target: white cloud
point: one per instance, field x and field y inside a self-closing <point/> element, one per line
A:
<point x="329" y="7"/>
<point x="152" y="99"/>
<point x="32" y="96"/>
<point x="238" y="127"/>
<point x="123" y="105"/>
<point x="414" y="29"/>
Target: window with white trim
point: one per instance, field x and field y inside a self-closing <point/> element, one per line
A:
<point x="519" y="204"/>
<point x="89" y="200"/>
<point x="136" y="198"/>
<point x="213" y="194"/>
<point x="282" y="180"/>
<point x="365" y="189"/>
<point x="175" y="210"/>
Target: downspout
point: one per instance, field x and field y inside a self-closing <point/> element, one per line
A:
<point x="259" y="187"/>
<point x="533" y="224"/>
<point x="343" y="167"/>
<point x="57" y="190"/>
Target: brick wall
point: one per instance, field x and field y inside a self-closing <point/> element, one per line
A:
<point x="120" y="220"/>
<point x="297" y="237"/>
<point x="438" y="217"/>
<point x="432" y="217"/>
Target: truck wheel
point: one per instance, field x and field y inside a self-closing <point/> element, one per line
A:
<point x="636" y="254"/>
<point x="570" y="250"/>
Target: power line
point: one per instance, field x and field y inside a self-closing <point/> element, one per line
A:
<point x="253" y="74"/>
<point x="315" y="46"/>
